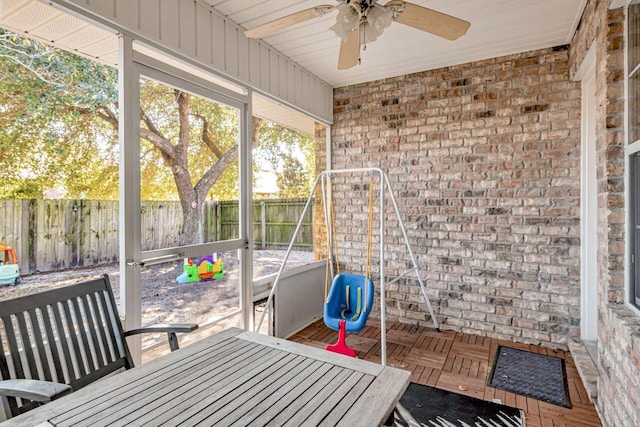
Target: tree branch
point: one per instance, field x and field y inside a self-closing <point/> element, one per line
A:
<point x="108" y="116"/>
<point x="181" y="172"/>
<point x="32" y="70"/>
<point x="206" y="130"/>
<point x="153" y="135"/>
<point x="213" y="174"/>
<point x="167" y="149"/>
<point x="257" y="125"/>
<point x="149" y="123"/>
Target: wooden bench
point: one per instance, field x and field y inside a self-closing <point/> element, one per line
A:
<point x="58" y="341"/>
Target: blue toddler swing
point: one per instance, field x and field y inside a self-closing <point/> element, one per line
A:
<point x="350" y="298"/>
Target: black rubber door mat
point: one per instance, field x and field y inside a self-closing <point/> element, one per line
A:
<point x="424" y="406"/>
<point x="534" y="375"/>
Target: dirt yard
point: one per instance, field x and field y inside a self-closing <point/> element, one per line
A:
<point x="163" y="299"/>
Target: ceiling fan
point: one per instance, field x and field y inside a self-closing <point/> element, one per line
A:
<point x="362" y="21"/>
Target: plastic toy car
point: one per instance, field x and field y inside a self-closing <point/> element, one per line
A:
<point x="9" y="269"/>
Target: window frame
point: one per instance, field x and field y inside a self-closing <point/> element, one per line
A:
<point x="632" y="130"/>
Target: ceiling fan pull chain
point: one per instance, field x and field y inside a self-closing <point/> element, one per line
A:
<point x="363" y="38"/>
<point x="361" y="43"/>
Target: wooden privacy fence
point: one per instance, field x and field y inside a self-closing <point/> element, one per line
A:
<point x="274" y="222"/>
<point x="57" y="234"/>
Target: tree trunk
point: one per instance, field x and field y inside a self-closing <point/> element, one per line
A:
<point x="192" y="198"/>
<point x="189" y="200"/>
<point x="192" y="226"/>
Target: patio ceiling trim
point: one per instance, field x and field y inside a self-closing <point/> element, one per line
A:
<point x="615" y="4"/>
<point x="197" y="33"/>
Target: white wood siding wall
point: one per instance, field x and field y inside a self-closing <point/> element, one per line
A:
<point x="195" y="30"/>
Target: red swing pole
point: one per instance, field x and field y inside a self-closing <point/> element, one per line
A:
<point x="341" y="345"/>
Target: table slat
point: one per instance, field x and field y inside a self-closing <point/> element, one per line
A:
<point x="336" y="374"/>
<point x="190" y="396"/>
<point x="250" y="394"/>
<point x="212" y="398"/>
<point x="322" y="403"/>
<point x="295" y="397"/>
<point x="365" y="414"/>
<point x="278" y="390"/>
<point x="180" y="387"/>
<point x="348" y="399"/>
<point x="129" y="394"/>
<point x="352" y="363"/>
<point x="94" y="392"/>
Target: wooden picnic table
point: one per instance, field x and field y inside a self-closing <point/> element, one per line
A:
<point x="234" y="378"/>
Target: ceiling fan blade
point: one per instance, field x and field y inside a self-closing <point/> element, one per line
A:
<point x="287" y="21"/>
<point x="349" y="51"/>
<point x="431" y="21"/>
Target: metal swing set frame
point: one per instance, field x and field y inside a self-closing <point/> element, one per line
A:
<point x="323" y="179"/>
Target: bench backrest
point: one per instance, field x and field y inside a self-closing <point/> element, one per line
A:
<point x="69" y="335"/>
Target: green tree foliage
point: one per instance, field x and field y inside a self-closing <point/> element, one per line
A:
<point x="45" y="140"/>
<point x="59" y="122"/>
<point x="283" y="151"/>
<point x="293" y="180"/>
<point x="212" y="128"/>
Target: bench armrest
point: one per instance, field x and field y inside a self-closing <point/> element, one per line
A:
<point x="163" y="327"/>
<point x="35" y="390"/>
<point x="170" y="329"/>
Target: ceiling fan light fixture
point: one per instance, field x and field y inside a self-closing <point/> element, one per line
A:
<point x="376" y="21"/>
<point x="370" y="17"/>
<point x="348" y="19"/>
<point x="362" y="21"/>
<point x="379" y="19"/>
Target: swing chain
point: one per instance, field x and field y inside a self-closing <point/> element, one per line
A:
<point x="333" y="245"/>
<point x="369" y="240"/>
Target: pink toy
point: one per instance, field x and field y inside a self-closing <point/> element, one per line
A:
<point x="341" y="345"/>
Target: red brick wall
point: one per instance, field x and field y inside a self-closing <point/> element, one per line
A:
<point x="319" y="225"/>
<point x="484" y="159"/>
<point x="618" y="382"/>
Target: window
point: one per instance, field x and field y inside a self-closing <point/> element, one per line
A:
<point x="633" y="38"/>
<point x="633" y="67"/>
<point x="634" y="164"/>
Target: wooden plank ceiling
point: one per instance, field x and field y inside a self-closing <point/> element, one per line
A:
<point x="498" y="27"/>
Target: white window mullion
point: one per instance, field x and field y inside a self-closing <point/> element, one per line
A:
<point x="246" y="216"/>
<point x="129" y="216"/>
